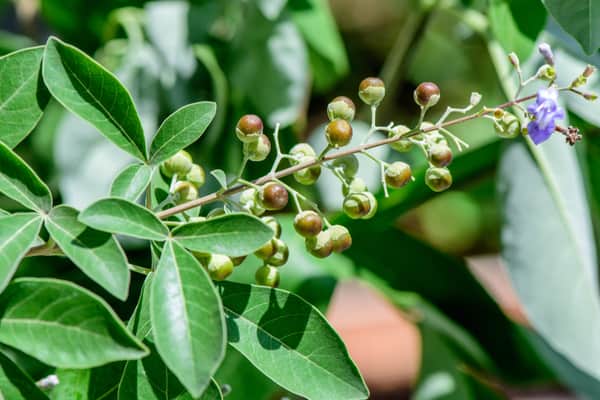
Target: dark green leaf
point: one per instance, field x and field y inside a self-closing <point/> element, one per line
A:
<point x="233" y="235"/>
<point x="131" y="183"/>
<point x="15" y="384"/>
<point x="580" y="18"/>
<point x="19" y="182"/>
<point x="181" y="129"/>
<point x="291" y="342"/>
<point x="23" y="96"/>
<point x="122" y="216"/>
<point x="63" y="325"/>
<point x="96" y="253"/>
<point x="94" y="94"/>
<point x="17" y="233"/>
<point x="187" y="318"/>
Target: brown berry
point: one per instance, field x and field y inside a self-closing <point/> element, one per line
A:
<point x="427" y="94"/>
<point x="273" y="196"/>
<point x="338" y="133"/>
<point x="249" y="128"/>
<point x="308" y="223"/>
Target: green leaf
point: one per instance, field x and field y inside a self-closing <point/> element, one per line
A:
<point x="94" y="94"/>
<point x="233" y="235"/>
<point x="23" y="95"/>
<point x="220" y="176"/>
<point x="63" y="325"/>
<point x="580" y="18"/>
<point x="15" y="384"/>
<point x="122" y="216"/>
<point x="517" y="24"/>
<point x="131" y="183"/>
<point x="547" y="237"/>
<point x="19" y="182"/>
<point x="187" y="318"/>
<point x="96" y="253"/>
<point x="73" y="384"/>
<point x="17" y="233"/>
<point x="290" y="341"/>
<point x="181" y="129"/>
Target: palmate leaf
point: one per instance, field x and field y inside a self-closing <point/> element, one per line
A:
<point x="131" y="183"/>
<point x="15" y="384"/>
<point x="23" y="95"/>
<point x="187" y="318"/>
<point x="94" y="94"/>
<point x="63" y="325"/>
<point x="290" y="341"/>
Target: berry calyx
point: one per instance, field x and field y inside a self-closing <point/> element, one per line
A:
<point x="273" y="196"/>
<point x="371" y="91"/>
<point x="440" y="155"/>
<point x="356" y="185"/>
<point x="310" y="175"/>
<point x="259" y="149"/>
<point x="219" y="266"/>
<point x="508" y="126"/>
<point x="338" y="133"/>
<point x="438" y="179"/>
<point x="267" y="275"/>
<point x="402" y="145"/>
<point x="308" y="223"/>
<point x="358" y="205"/>
<point x="397" y="174"/>
<point x="340" y="238"/>
<point x="272" y="223"/>
<point x="196" y="176"/>
<point x="321" y="245"/>
<point x="427" y="94"/>
<point x="249" y="201"/>
<point x="348" y="165"/>
<point x="301" y="150"/>
<point x="179" y="164"/>
<point x="249" y="128"/>
<point x="183" y="192"/>
<point x="341" y="107"/>
<point x="281" y="254"/>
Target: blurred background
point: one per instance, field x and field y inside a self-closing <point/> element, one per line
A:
<point x="423" y="299"/>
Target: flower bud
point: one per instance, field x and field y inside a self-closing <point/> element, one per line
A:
<point x="259" y="149"/>
<point x="440" y="155"/>
<point x="338" y="133"/>
<point x="307" y="176"/>
<point x="249" y="201"/>
<point x="249" y="128"/>
<point x="588" y="71"/>
<point x="356" y="185"/>
<point x="359" y="205"/>
<point x="196" y="176"/>
<point x="474" y="99"/>
<point x="514" y="60"/>
<point x="402" y="145"/>
<point x="397" y="174"/>
<point x="340" y="238"/>
<point x="281" y="254"/>
<point x="427" y="94"/>
<point x="273" y="196"/>
<point x="302" y="150"/>
<point x="347" y="164"/>
<point x="321" y="245"/>
<point x="267" y="276"/>
<point x="371" y="91"/>
<point x="341" y="107"/>
<point x="184" y="192"/>
<point x="267" y="250"/>
<point x="508" y="127"/>
<point x="438" y="179"/>
<point x="546" y="72"/>
<point x="179" y="164"/>
<point x="219" y="266"/>
<point x="272" y="223"/>
<point x="308" y="223"/>
<point x="546" y="52"/>
<point x="590" y="96"/>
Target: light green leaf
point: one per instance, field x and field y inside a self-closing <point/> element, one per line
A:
<point x="220" y="176"/>
<point x="19" y="182"/>
<point x="122" y="216"/>
<point x="94" y="94"/>
<point x="181" y="129"/>
<point x="63" y="325"/>
<point x="23" y="95"/>
<point x="17" y="233"/>
<point x="131" y="183"/>
<point x="187" y="318"/>
<point x="96" y="253"/>
<point x="73" y="384"/>
<point x="15" y="384"/>
<point x="580" y="18"/>
<point x="233" y="234"/>
<point x="291" y="342"/>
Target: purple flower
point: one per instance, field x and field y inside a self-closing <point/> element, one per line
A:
<point x="545" y="112"/>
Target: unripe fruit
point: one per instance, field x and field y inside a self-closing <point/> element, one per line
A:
<point x="508" y="127"/>
<point x="272" y="223"/>
<point x="440" y="155"/>
<point x="184" y="192"/>
<point x="347" y="164"/>
<point x="249" y="200"/>
<point x="179" y="164"/>
<point x="267" y="250"/>
<point x="341" y="107"/>
<point x="371" y="91"/>
<point x="397" y="174"/>
<point x="321" y="245"/>
<point x="373" y="206"/>
<point x="249" y="128"/>
<point x="273" y="196"/>
<point x="338" y="133"/>
<point x="281" y="254"/>
<point x="267" y="276"/>
<point x="259" y="149"/>
<point x="308" y="223"/>
<point x="427" y="94"/>
<point x="219" y="266"/>
<point x="357" y="205"/>
<point x="196" y="176"/>
<point x="302" y="150"/>
<point x="402" y="145"/>
<point x="356" y="185"/>
<point x="433" y="136"/>
<point x="307" y="176"/>
<point x="340" y="238"/>
<point x="438" y="179"/>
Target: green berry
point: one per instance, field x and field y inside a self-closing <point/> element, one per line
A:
<point x="249" y="201"/>
<point x="281" y="254"/>
<point x="348" y="165"/>
<point x="427" y="94"/>
<point x="267" y="250"/>
<point x="179" y="164"/>
<point x="433" y="136"/>
<point x="307" y="176"/>
<point x="273" y="196"/>
<point x="402" y="145"/>
<point x="259" y="149"/>
<point x="397" y="174"/>
<point x="219" y="266"/>
<point x="340" y="238"/>
<point x="302" y="150"/>
<point x="508" y="126"/>
<point x="356" y="185"/>
<point x="440" y="155"/>
<point x="372" y="206"/>
<point x="196" y="176"/>
<point x="308" y="223"/>
<point x="249" y="128"/>
<point x="338" y="133"/>
<point x="184" y="192"/>
<point x="371" y="91"/>
<point x="438" y="179"/>
<point x="357" y="205"/>
<point x="321" y="245"/>
<point x="341" y="107"/>
<point x="272" y="223"/>
<point x="267" y="276"/>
